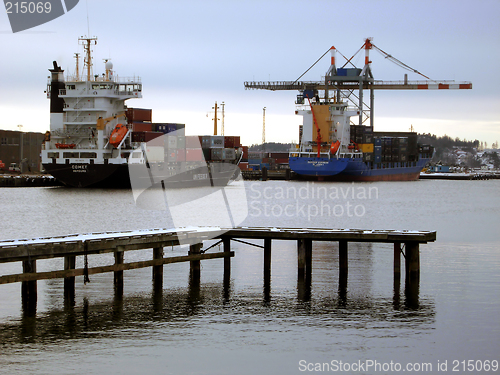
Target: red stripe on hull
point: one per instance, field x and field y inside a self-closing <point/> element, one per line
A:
<point x="348" y="178"/>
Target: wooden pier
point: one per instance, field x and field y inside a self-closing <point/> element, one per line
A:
<point x="69" y="247"/>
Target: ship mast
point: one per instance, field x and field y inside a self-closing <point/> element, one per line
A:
<point x="87" y="60"/>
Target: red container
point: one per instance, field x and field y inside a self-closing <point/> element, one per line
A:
<point x="192" y="141"/>
<point x="141" y="127"/>
<point x="181" y="155"/>
<point x="237" y="142"/>
<point x="281" y="160"/>
<point x="152" y="135"/>
<point x="228" y="141"/>
<point x="243" y="166"/>
<point x="245" y="152"/>
<point x="194" y="154"/>
<point x="139" y="114"/>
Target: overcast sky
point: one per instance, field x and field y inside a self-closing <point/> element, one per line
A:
<point x="190" y="54"/>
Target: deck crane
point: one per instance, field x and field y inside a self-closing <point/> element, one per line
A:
<point x="343" y="82"/>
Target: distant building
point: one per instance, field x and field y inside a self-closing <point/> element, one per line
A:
<point x="439" y="168"/>
<point x="13" y="143"/>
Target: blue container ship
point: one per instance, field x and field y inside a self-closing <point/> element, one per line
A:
<point x="332" y="147"/>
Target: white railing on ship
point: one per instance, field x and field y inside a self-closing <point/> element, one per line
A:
<point x="116" y="79"/>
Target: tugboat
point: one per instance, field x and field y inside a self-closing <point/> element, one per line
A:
<point x="95" y="140"/>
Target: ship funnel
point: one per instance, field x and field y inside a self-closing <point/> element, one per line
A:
<point x="56" y="84"/>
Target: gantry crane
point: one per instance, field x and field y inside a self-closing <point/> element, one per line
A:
<point x="343" y="82"/>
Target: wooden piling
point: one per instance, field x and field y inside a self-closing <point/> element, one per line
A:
<point x="267" y="258"/>
<point x="301" y="256"/>
<point x="343" y="262"/>
<point x="412" y="261"/>
<point x="69" y="282"/>
<point x="226" y="241"/>
<point x="118" y="275"/>
<point x="29" y="289"/>
<point x="158" y="270"/>
<point x="397" y="260"/>
<point x="195" y="264"/>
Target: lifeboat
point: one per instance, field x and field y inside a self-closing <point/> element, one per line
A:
<point x="334" y="147"/>
<point x="117" y="135"/>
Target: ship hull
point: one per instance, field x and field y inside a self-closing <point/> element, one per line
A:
<point x="357" y="170"/>
<point x="117" y="176"/>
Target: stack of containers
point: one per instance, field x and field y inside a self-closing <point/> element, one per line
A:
<point x="386" y="149"/>
<point x="403" y="149"/>
<point x="377" y="150"/>
<point x="139" y="121"/>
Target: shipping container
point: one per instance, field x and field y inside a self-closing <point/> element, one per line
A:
<point x="377" y="158"/>
<point x="216" y="154"/>
<point x="217" y="141"/>
<point x="138" y="137"/>
<point x="192" y="141"/>
<point x="206" y="153"/>
<point x="171" y="155"/>
<point x="139" y="115"/>
<point x="237" y="141"/>
<point x="243" y="166"/>
<point x="228" y="141"/>
<point x="367" y="138"/>
<point x="254" y="161"/>
<point x="377" y="141"/>
<point x="181" y="154"/>
<point x="377" y="150"/>
<point x="152" y="135"/>
<point x="245" y="153"/>
<point x="181" y="141"/>
<point x="228" y="154"/>
<point x="154" y="154"/>
<point x="141" y="127"/>
<point x="205" y="141"/>
<point x="368" y="156"/>
<point x="194" y="154"/>
<point x="366" y="147"/>
<point x="171" y="142"/>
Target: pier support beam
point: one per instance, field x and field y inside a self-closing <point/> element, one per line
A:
<point x="118" y="275"/>
<point x="397" y="260"/>
<point x="412" y="262"/>
<point x="343" y="262"/>
<point x="267" y="269"/>
<point x="158" y="270"/>
<point x="69" y="282"/>
<point x="304" y="257"/>
<point x="226" y="241"/>
<point x="195" y="264"/>
<point x="29" y="289"/>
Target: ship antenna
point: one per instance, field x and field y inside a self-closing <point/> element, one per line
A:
<point x="88" y="24"/>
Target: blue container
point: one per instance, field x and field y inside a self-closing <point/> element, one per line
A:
<point x="377" y="141"/>
<point x="171" y="128"/>
<point x="341" y="72"/>
<point x="377" y="150"/>
<point x="254" y="161"/>
<point x="377" y="158"/>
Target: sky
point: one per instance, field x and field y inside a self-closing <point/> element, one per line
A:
<point x="190" y="54"/>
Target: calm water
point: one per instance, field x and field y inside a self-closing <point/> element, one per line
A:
<point x="187" y="329"/>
